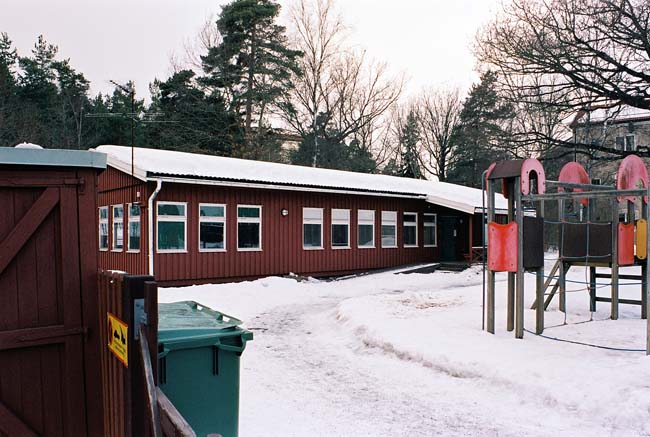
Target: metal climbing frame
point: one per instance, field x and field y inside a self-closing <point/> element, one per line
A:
<point x="524" y="181"/>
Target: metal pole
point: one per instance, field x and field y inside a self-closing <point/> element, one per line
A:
<point x="519" y="294"/>
<point x="511" y="276"/>
<point x="484" y="229"/>
<point x="646" y="279"/>
<point x="644" y="269"/>
<point x="614" y="287"/>
<point x="490" y="273"/>
<point x="562" y="273"/>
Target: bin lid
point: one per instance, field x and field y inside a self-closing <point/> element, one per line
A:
<point x="188" y="324"/>
<point x="193" y="315"/>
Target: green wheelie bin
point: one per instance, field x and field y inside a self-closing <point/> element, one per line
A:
<point x="198" y="365"/>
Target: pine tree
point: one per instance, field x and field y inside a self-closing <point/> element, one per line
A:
<point x="252" y="68"/>
<point x="409" y="138"/>
<point x="479" y="138"/>
<point x="188" y="119"/>
<point x="8" y="103"/>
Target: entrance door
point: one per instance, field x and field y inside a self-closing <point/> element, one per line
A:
<point x="449" y="236"/>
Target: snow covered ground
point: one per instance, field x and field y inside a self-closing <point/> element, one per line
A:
<point x="393" y="354"/>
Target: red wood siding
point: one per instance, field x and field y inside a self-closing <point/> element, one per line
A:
<point x="48" y="306"/>
<point x="118" y="188"/>
<point x="282" y="250"/>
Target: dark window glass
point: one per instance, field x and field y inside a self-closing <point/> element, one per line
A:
<point x="171" y="235"/>
<point x="312" y="235"/>
<point x="248" y="235"/>
<point x="340" y="236"/>
<point x="388" y="235"/>
<point x="409" y="236"/>
<point x="134" y="235"/>
<point x="211" y="236"/>
<point x="365" y="235"/>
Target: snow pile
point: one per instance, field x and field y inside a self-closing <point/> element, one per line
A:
<point x="389" y="354"/>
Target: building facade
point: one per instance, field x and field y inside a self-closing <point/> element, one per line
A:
<point x="184" y="225"/>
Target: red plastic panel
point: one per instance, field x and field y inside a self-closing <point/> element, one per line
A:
<point x="632" y="174"/>
<point x="625" y="244"/>
<point x="530" y="166"/>
<point x="502" y="247"/>
<point x="574" y="173"/>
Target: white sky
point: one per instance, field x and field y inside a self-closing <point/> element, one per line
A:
<point x="428" y="40"/>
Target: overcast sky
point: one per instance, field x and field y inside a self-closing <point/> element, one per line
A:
<point x="428" y="40"/>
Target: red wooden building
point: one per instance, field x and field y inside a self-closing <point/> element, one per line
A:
<point x="189" y="218"/>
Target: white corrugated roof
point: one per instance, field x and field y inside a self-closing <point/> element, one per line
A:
<point x="618" y="113"/>
<point x="154" y="162"/>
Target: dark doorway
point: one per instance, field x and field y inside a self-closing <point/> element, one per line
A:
<point x="450" y="233"/>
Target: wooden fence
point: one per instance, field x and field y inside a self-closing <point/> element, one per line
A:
<point x="133" y="405"/>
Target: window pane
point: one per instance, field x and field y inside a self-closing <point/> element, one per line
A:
<point x="211" y="211"/>
<point x="134" y="235"/>
<point x="388" y="236"/>
<point x="365" y="235"/>
<point x="312" y="234"/>
<point x="118" y="236"/>
<point x="248" y="235"/>
<point x="367" y="215"/>
<point x="245" y="212"/>
<point x="167" y="209"/>
<point x="134" y="211"/>
<point x="103" y="213"/>
<point x="409" y="236"/>
<point x="429" y="218"/>
<point x="118" y="212"/>
<point x="340" y="236"/>
<point x="211" y="236"/>
<point x="312" y="214"/>
<point x="430" y="235"/>
<point x="341" y="214"/>
<point x="389" y="216"/>
<point x="410" y="218"/>
<point x="171" y="235"/>
<point x="103" y="236"/>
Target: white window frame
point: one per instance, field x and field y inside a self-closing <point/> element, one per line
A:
<point x="133" y="219"/>
<point x="315" y="221"/>
<point x="415" y="225"/>
<point x="172" y="218"/>
<point x="209" y="219"/>
<point x="431" y="225"/>
<point x="338" y="221"/>
<point x="386" y="222"/>
<point x="366" y="222"/>
<point x="624" y="146"/>
<point x="114" y="221"/>
<point x="249" y="220"/>
<point x="99" y="229"/>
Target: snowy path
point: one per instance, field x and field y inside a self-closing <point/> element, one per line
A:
<point x="390" y="355"/>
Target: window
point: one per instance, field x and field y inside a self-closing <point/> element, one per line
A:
<point x="118" y="228"/>
<point x="366" y="226"/>
<point x="410" y="229"/>
<point x="312" y="228"/>
<point x="171" y="226"/>
<point x="134" y="228"/>
<point x="340" y="229"/>
<point x="212" y="227"/>
<point x="430" y="222"/>
<point x="103" y="228"/>
<point x="388" y="229"/>
<point x="249" y="227"/>
<point x="626" y="143"/>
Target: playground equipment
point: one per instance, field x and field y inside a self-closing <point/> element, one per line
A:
<point x="517" y="246"/>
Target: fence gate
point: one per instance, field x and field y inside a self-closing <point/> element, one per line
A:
<point x="49" y="350"/>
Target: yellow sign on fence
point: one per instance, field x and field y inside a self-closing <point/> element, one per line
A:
<point x="118" y="339"/>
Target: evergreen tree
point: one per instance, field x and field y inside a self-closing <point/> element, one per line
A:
<point x="251" y="69"/>
<point x="185" y="118"/>
<point x="8" y="59"/>
<point x="72" y="101"/>
<point x="409" y="138"/>
<point x="479" y="138"/>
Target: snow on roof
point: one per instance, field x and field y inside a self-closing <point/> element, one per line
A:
<point x="615" y="114"/>
<point x="150" y="163"/>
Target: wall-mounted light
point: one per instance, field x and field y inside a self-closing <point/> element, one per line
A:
<point x="284" y="212"/>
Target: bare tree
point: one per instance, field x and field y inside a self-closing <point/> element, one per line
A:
<point x="341" y="95"/>
<point x="580" y="53"/>
<point x="194" y="48"/>
<point x="439" y="114"/>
